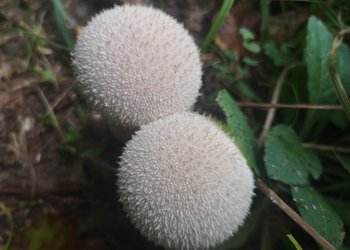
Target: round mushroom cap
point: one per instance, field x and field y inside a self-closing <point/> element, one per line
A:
<point x="183" y="182"/>
<point x="136" y="64"/>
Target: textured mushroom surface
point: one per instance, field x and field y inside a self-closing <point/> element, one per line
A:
<point x="183" y="182"/>
<point x="136" y="64"/>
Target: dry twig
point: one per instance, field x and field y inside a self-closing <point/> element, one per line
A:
<point x="271" y="113"/>
<point x="292" y="214"/>
<point x="289" y="106"/>
<point x="332" y="148"/>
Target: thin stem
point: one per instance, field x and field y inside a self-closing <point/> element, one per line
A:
<point x="289" y="106"/>
<point x="293" y="215"/>
<point x="271" y="113"/>
<point x="326" y="147"/>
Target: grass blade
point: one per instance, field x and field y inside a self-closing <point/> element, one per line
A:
<point x="294" y="241"/>
<point x="266" y="18"/>
<point x="61" y="18"/>
<point x="33" y="35"/>
<point x="225" y="8"/>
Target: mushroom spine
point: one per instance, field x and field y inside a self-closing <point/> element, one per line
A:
<point x="184" y="183"/>
<point x="136" y="64"/>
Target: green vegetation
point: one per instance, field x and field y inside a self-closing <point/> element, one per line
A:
<point x="302" y="151"/>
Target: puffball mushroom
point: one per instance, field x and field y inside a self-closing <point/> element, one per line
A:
<point x="136" y="64"/>
<point x="183" y="182"/>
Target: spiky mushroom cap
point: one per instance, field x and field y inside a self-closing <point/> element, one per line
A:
<point x="136" y="64"/>
<point x="183" y="182"/>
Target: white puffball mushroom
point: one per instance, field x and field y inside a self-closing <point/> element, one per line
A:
<point x="183" y="182"/>
<point x="136" y="64"/>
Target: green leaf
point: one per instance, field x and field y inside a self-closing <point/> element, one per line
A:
<point x="317" y="56"/>
<point x="279" y="56"/>
<point x="220" y="68"/>
<point x="247" y="91"/>
<point x="246" y="34"/>
<point x="319" y="214"/>
<point x="230" y="55"/>
<point x="71" y="135"/>
<point x="48" y="76"/>
<point x="249" y="61"/>
<point x="82" y="112"/>
<point x="286" y="160"/>
<point x="242" y="133"/>
<point x="252" y="47"/>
